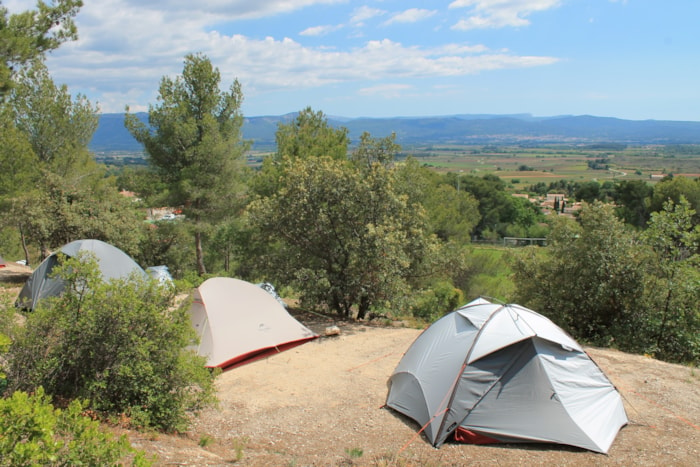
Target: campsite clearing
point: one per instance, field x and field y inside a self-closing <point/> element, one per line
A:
<point x="320" y="404"/>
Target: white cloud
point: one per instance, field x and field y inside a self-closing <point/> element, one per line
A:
<point x="320" y="30"/>
<point x="363" y="13"/>
<point x="499" y="13"/>
<point x="271" y="64"/>
<point x="412" y="15"/>
<point x="227" y="9"/>
<point x="127" y="46"/>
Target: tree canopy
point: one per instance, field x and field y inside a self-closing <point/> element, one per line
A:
<point x="29" y="35"/>
<point x="194" y="140"/>
<point x="341" y="233"/>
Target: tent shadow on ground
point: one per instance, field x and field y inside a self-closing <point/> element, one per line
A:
<point x="543" y="447"/>
<point x="410" y="423"/>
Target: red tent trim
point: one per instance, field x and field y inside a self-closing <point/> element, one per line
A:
<point x="462" y="435"/>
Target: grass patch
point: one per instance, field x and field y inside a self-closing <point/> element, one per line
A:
<point x="354" y="453"/>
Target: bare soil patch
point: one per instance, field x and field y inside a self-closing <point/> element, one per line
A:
<point x="321" y="404"/>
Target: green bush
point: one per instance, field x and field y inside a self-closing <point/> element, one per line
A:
<point x="121" y="345"/>
<point x="33" y="432"/>
<point x="433" y="303"/>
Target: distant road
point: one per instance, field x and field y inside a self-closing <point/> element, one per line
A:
<point x="618" y="172"/>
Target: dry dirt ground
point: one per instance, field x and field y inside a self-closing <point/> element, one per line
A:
<point x="320" y="404"/>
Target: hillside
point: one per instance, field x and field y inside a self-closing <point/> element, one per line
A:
<point x="455" y="129"/>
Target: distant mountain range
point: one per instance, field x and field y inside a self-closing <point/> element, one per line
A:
<point x="524" y="129"/>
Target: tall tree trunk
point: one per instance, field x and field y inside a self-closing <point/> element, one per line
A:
<point x="666" y="311"/>
<point x="201" y="269"/>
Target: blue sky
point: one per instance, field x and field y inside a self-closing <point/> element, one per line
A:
<point x="633" y="59"/>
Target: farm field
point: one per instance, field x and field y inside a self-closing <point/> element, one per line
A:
<point x="527" y="165"/>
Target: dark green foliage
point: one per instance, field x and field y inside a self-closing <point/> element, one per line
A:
<point x="167" y="243"/>
<point x="27" y="36"/>
<point x="673" y="188"/>
<point x="342" y="237"/>
<point x="452" y="213"/>
<point x="442" y="297"/>
<point x="59" y="213"/>
<point x="120" y="345"/>
<point x="194" y="141"/>
<point x="498" y="208"/>
<point x="608" y="285"/>
<point x="589" y="280"/>
<point x="673" y="282"/>
<point x="632" y="198"/>
<point x="17" y="160"/>
<point x="33" y="432"/>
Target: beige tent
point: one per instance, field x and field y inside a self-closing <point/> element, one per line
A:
<point x="238" y="322"/>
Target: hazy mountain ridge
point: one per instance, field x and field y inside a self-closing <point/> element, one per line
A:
<point x="111" y="135"/>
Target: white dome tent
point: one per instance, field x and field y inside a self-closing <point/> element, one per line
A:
<point x="503" y="373"/>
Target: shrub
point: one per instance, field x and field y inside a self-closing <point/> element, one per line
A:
<point x="442" y="298"/>
<point x="121" y="345"/>
<point x="33" y="432"/>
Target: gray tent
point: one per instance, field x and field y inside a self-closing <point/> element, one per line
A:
<point x="504" y="373"/>
<point x="112" y="261"/>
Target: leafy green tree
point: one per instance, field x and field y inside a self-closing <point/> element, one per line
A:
<point x="308" y="135"/>
<point x="144" y="181"/>
<point x="372" y="151"/>
<point x="673" y="188"/>
<point x="588" y="192"/>
<point x="59" y="213"/>
<point x="27" y="36"/>
<point x="494" y="202"/>
<point x="589" y="279"/>
<point x="17" y="160"/>
<point x="452" y="214"/>
<point x="195" y="141"/>
<point x="58" y="126"/>
<point x="632" y="198"/>
<point x="673" y="282"/>
<point x="342" y="237"/>
<point x="498" y="209"/>
<point x="122" y="345"/>
<point x="167" y="243"/>
<point x="70" y="197"/>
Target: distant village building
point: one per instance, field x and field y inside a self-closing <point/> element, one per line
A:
<point x="553" y="203"/>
